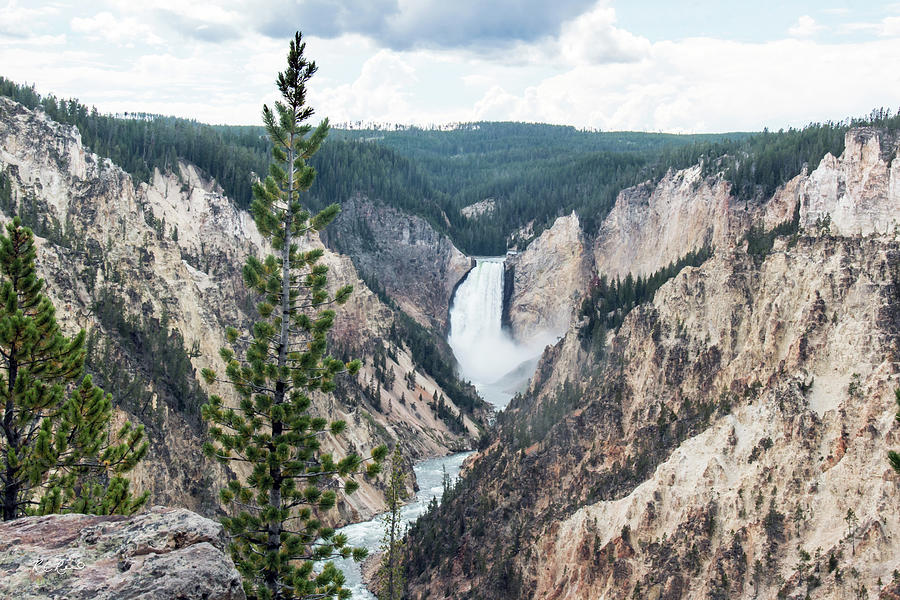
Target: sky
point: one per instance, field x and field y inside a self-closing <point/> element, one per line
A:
<point x="686" y="66"/>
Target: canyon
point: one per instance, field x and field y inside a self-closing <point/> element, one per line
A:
<point x="123" y="260"/>
<point x="727" y="439"/>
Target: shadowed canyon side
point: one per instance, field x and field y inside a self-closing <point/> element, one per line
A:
<point x="153" y="272"/>
<point x="729" y="438"/>
<point x="417" y="267"/>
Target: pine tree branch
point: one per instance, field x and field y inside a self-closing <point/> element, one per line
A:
<point x="231" y="458"/>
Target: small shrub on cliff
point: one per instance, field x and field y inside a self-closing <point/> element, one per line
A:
<point x="56" y="450"/>
<point x="894" y="456"/>
<point x="276" y="531"/>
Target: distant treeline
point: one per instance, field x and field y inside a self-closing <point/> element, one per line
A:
<point x="140" y="142"/>
<point x="534" y="172"/>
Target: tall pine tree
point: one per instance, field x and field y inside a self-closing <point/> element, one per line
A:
<point x="277" y="534"/>
<point x="56" y="451"/>
<point x="393" y="543"/>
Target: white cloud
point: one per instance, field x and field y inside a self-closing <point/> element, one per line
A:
<point x="115" y="29"/>
<point x="477" y="80"/>
<point x="35" y="41"/>
<point x="711" y="85"/>
<point x="593" y="38"/>
<point x="19" y="21"/>
<point x="890" y="27"/>
<point x="592" y="73"/>
<point x="805" y="27"/>
<point x="496" y="105"/>
<point x="887" y="27"/>
<point x="381" y="92"/>
<point x="218" y="13"/>
<point x="407" y="24"/>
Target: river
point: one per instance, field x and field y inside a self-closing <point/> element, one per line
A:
<point x="430" y="477"/>
<point x="492" y="361"/>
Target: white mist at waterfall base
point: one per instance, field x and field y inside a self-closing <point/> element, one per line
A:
<point x="494" y="362"/>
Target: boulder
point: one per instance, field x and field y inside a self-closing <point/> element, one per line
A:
<point x="163" y="554"/>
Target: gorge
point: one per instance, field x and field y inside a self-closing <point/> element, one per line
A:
<point x="719" y="436"/>
<point x="486" y="355"/>
<point x="664" y="428"/>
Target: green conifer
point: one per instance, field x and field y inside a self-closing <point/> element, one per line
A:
<point x="277" y="534"/>
<point x="893" y="455"/>
<point x="393" y="543"/>
<point x="56" y="452"/>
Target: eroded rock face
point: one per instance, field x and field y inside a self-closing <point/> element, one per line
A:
<point x="739" y="416"/>
<point x="175" y="247"/>
<point x="418" y="267"/>
<point x="547" y="279"/>
<point x="729" y="431"/>
<point x="477" y="209"/>
<point x="653" y="225"/>
<point x="798" y="385"/>
<point x="162" y="554"/>
<point x="859" y="192"/>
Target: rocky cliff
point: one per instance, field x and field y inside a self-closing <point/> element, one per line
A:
<point x="652" y="225"/>
<point x="857" y="193"/>
<point x="729" y="439"/>
<point x="162" y="554"/>
<point x="153" y="273"/>
<point x="546" y="281"/>
<point x="418" y="267"/>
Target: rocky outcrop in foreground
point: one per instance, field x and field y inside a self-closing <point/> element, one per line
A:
<point x="162" y="554"/>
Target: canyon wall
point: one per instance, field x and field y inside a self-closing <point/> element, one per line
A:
<point x="652" y="225"/>
<point x="546" y="281"/>
<point x="859" y="192"/>
<point x="157" y="266"/>
<point x="418" y="267"/>
<point x="729" y="439"/>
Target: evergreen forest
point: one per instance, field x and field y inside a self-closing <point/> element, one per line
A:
<point x="533" y="173"/>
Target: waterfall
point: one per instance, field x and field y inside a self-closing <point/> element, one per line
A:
<point x="486" y="354"/>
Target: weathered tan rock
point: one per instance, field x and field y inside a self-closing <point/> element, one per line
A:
<point x="162" y="554"/>
<point x="651" y="226"/>
<point x="860" y="190"/>
<point x="477" y="209"/>
<point x="891" y="591"/>
<point x="548" y="278"/>
<point x="744" y="341"/>
<point x="734" y="420"/>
